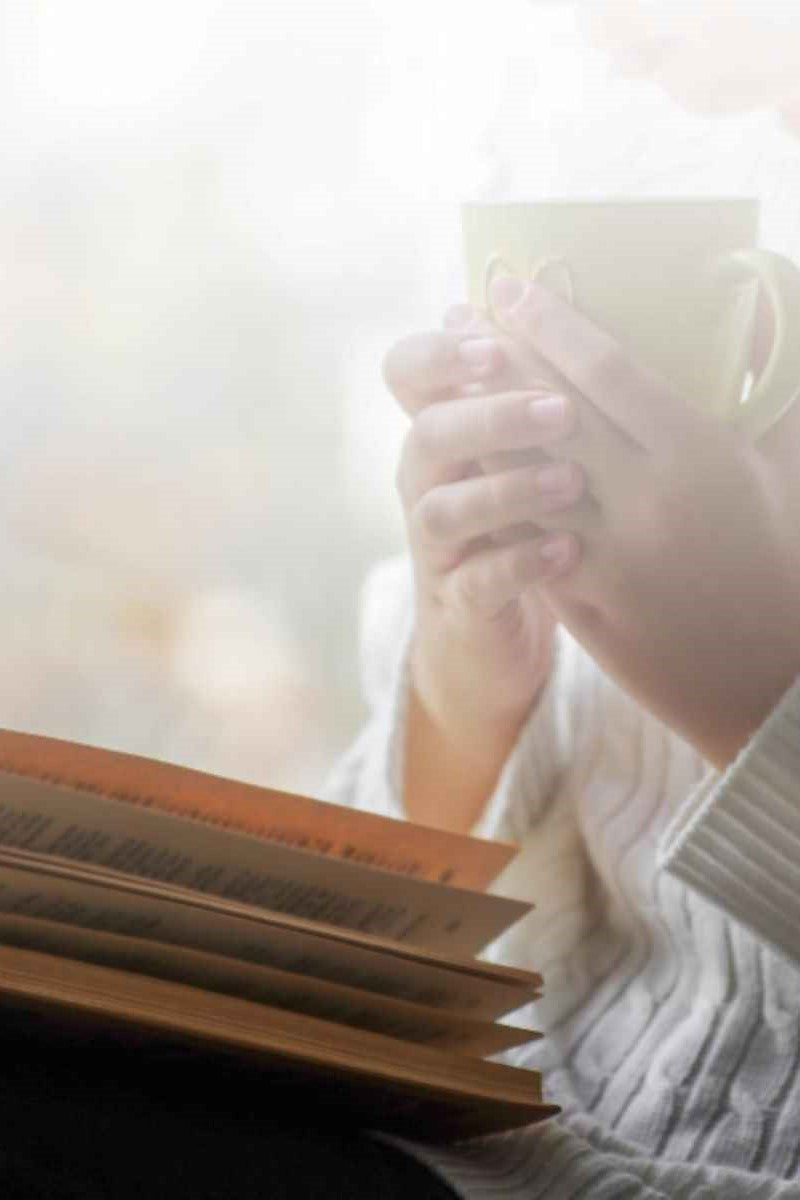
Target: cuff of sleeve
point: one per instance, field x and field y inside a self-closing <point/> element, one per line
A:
<point x="737" y="840"/>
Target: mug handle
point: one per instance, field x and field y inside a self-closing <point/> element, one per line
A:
<point x="778" y="385"/>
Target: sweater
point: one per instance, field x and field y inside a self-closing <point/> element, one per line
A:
<point x="666" y="926"/>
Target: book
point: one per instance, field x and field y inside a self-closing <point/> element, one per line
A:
<point x="332" y="952"/>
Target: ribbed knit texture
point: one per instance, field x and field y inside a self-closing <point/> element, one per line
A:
<point x="667" y="929"/>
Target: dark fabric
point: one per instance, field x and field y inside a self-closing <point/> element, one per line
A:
<point x="79" y="1124"/>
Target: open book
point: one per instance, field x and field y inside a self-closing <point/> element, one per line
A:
<point x="332" y="950"/>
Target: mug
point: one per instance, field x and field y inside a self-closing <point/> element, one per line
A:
<point x="676" y="281"/>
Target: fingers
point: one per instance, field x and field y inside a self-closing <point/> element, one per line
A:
<point x="585" y="433"/>
<point x="485" y="583"/>
<point x="430" y="366"/>
<point x="636" y="401"/>
<point x="450" y="517"/>
<point x="477" y="428"/>
<point x="460" y="360"/>
<point x="513" y="429"/>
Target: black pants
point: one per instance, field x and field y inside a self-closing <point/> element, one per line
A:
<point x="82" y="1124"/>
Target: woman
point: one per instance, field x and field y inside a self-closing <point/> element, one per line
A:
<point x="655" y="800"/>
<point x="82" y="1127"/>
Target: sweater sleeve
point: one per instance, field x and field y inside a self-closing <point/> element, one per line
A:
<point x="577" y="1158"/>
<point x="737" y="839"/>
<point x="370" y="774"/>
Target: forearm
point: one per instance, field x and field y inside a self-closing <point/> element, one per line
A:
<point x="447" y="780"/>
<point x="466" y="708"/>
<point x="404" y="766"/>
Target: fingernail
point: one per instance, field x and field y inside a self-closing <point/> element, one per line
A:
<point x="506" y="291"/>
<point x="555" y="553"/>
<point x="554" y="478"/>
<point x="479" y="354"/>
<point x="549" y="411"/>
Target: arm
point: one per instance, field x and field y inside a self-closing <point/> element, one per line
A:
<point x="687" y="588"/>
<point x="438" y="769"/>
<point x="687" y="594"/>
<point x="374" y="772"/>
<point x="737" y="840"/>
<point x="474" y="477"/>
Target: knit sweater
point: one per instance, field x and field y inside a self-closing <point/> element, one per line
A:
<point x="667" y="929"/>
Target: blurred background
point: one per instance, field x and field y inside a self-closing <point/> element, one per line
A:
<point x="214" y="219"/>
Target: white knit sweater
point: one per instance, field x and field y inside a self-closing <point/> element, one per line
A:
<point x="667" y="929"/>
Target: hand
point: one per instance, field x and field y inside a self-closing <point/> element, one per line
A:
<point x="689" y="582"/>
<point x="471" y="484"/>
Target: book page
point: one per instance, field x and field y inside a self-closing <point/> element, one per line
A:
<point x="267" y="985"/>
<point x="376" y="1081"/>
<point x="293" y="820"/>
<point x="70" y="894"/>
<point x="146" y="841"/>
